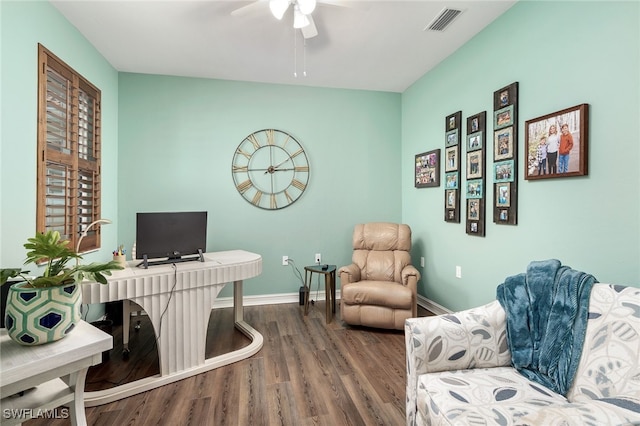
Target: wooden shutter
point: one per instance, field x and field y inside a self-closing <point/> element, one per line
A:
<point x="68" y="194"/>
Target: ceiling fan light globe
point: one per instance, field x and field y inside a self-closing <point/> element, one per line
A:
<point x="306" y="6"/>
<point x="278" y="8"/>
<point x="299" y="20"/>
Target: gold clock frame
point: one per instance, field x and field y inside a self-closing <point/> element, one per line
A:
<point x="270" y="169"/>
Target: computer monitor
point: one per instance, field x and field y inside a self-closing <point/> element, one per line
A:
<point x="170" y="236"/>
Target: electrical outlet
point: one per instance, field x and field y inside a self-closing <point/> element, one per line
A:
<point x="318" y="258"/>
<point x="285" y="260"/>
<point x="458" y="271"/>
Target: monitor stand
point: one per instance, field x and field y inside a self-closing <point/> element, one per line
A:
<point x="171" y="260"/>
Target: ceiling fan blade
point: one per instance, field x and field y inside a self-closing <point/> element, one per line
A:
<point x="241" y="11"/>
<point x="310" y="30"/>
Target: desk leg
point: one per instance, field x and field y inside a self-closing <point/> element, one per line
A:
<point x="126" y="322"/>
<point x="238" y="308"/>
<point x="307" y="290"/>
<point x="333" y="291"/>
<point x="327" y="296"/>
<point x="76" y="409"/>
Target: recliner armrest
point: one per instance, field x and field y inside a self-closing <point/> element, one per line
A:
<point x="349" y="274"/>
<point x="409" y="272"/>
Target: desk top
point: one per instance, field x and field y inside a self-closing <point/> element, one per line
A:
<point x="219" y="267"/>
<point x="318" y="269"/>
<point x="20" y="362"/>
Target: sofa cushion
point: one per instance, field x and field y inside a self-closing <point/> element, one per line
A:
<point x="610" y="364"/>
<point x="382" y="293"/>
<point x="498" y="395"/>
<point x="611" y="411"/>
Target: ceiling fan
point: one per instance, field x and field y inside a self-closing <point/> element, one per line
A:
<point x="302" y="10"/>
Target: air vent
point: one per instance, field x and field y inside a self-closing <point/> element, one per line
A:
<point x="443" y="19"/>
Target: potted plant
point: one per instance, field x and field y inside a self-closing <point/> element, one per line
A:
<point x="46" y="308"/>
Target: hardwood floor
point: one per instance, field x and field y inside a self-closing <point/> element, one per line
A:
<point x="307" y="373"/>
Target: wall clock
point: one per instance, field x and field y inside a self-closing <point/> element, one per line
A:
<point x="270" y="169"/>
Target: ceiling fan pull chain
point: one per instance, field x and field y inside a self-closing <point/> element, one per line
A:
<point x="304" y="57"/>
<point x="295" y="55"/>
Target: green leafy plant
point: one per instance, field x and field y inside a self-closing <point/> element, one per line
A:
<point x="48" y="248"/>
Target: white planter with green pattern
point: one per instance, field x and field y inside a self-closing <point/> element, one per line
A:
<point x="35" y="316"/>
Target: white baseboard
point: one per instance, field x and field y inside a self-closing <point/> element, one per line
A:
<point x="432" y="306"/>
<point x="276" y="299"/>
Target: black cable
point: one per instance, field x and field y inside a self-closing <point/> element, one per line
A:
<point x="86" y="315"/>
<point x="175" y="282"/>
<point x="296" y="271"/>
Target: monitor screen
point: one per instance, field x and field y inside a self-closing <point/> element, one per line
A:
<point x="170" y="234"/>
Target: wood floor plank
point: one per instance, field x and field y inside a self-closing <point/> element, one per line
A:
<point x="307" y="373"/>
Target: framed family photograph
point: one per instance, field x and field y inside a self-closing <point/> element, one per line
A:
<point x="427" y="169"/>
<point x="503" y="144"/>
<point x="474" y="141"/>
<point x="451" y="198"/>
<point x="556" y="144"/>
<point x="451" y="180"/>
<point x="503" y="194"/>
<point x="451" y="159"/>
<point x="475" y="188"/>
<point x="452" y="137"/>
<point x="452" y="122"/>
<point x="474" y="165"/>
<point x="503" y="117"/>
<point x="503" y="171"/>
<point x="473" y="209"/>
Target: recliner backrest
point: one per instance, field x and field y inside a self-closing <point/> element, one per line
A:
<point x="382" y="250"/>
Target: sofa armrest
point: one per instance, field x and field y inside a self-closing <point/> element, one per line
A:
<point x="349" y="274"/>
<point x="474" y="338"/>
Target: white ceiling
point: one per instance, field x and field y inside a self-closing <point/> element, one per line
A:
<point x="371" y="45"/>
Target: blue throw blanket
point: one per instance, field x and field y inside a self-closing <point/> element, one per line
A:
<point x="547" y="310"/>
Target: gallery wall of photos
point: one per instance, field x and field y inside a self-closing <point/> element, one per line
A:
<point x="503" y="143"/>
<point x="475" y="193"/>
<point x="505" y="155"/>
<point x="453" y="124"/>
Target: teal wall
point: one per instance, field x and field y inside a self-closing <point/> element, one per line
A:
<point x="168" y="144"/>
<point x="177" y="137"/>
<point x="562" y="54"/>
<point x="22" y="26"/>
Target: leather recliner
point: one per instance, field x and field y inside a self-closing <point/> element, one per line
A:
<point x="379" y="289"/>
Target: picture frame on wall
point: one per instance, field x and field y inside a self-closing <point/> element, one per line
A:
<point x="451" y="138"/>
<point x="505" y="155"/>
<point x="503" y="194"/>
<point x="503" y="117"/>
<point x="474" y="141"/>
<point x="451" y="198"/>
<point x="473" y="209"/>
<point x="475" y="188"/>
<point x="451" y="180"/>
<point x="503" y="144"/>
<point x="503" y="171"/>
<point x="452" y="163"/>
<point x="427" y="169"/>
<point x="556" y="144"/>
<point x="474" y="165"/>
<point x="451" y="159"/>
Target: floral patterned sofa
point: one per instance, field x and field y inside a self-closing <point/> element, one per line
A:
<point x="459" y="372"/>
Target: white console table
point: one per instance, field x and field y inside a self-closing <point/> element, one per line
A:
<point x="51" y="375"/>
<point x="178" y="300"/>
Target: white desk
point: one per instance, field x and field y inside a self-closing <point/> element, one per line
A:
<point x="179" y="302"/>
<point x="57" y="370"/>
